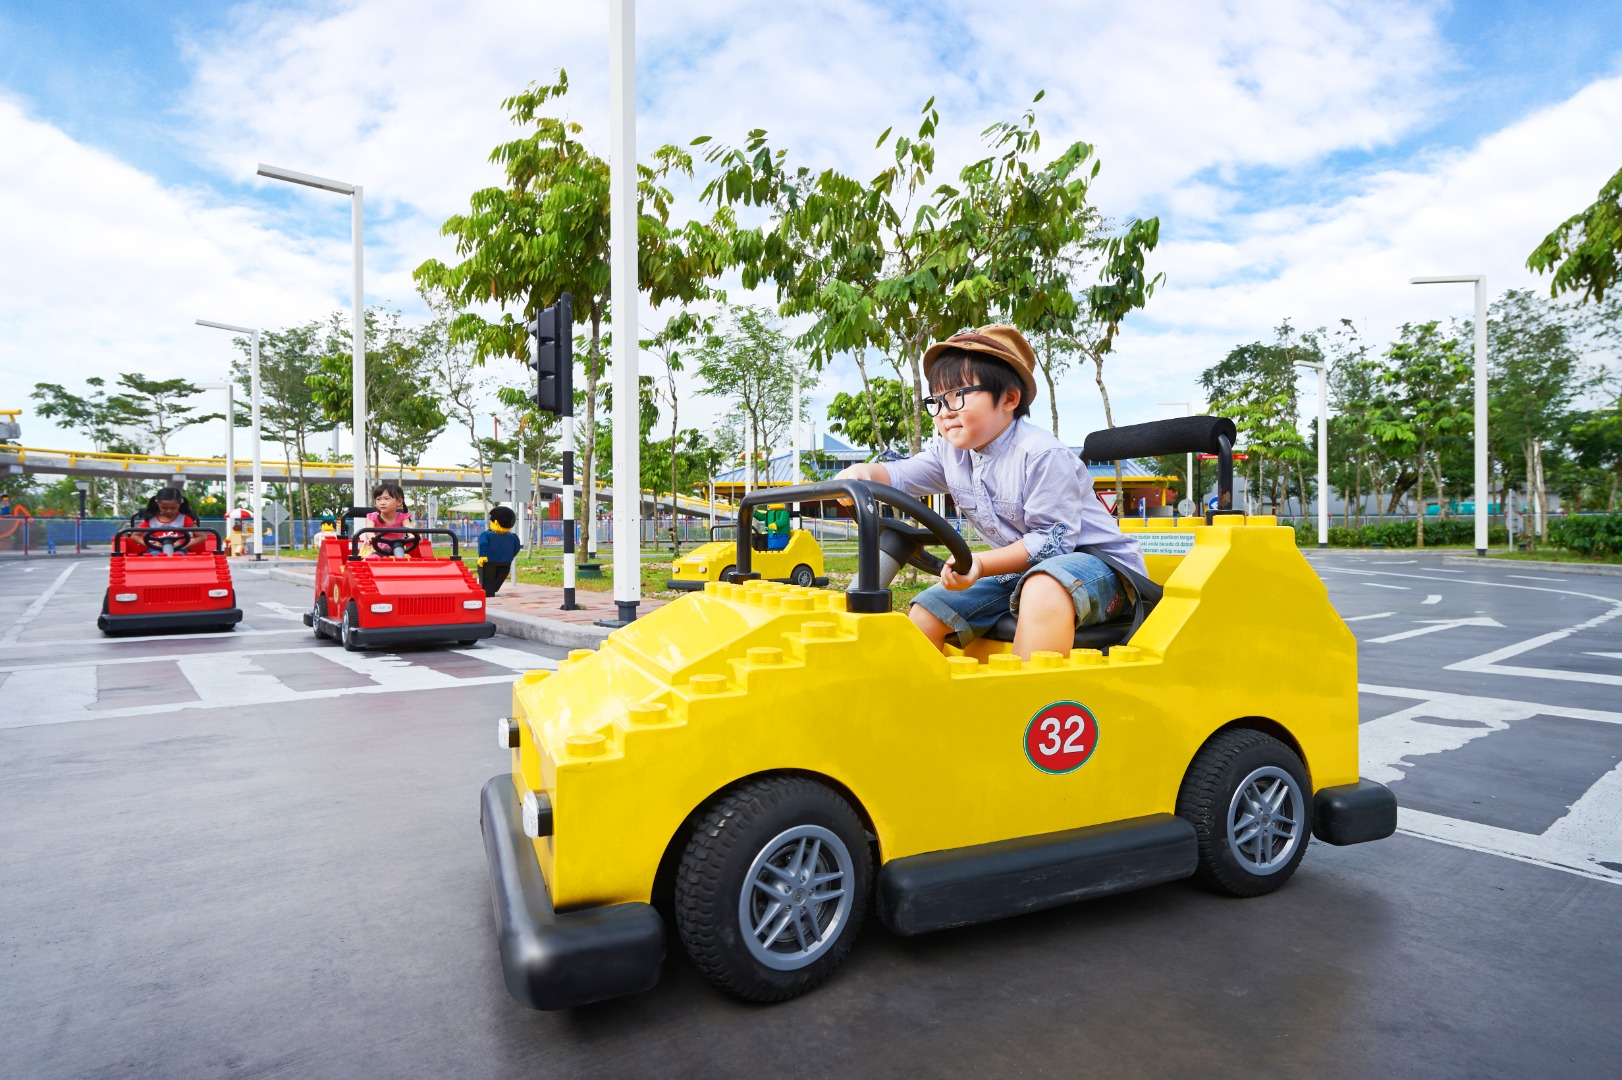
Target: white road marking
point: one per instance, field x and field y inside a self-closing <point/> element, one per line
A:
<point x="279" y="610"/>
<point x="1433" y="598"/>
<point x="1363" y="618"/>
<point x="1377" y="585"/>
<point x="11" y="635"/>
<point x="1529" y="577"/>
<point x="33" y="697"/>
<point x="115" y="642"/>
<point x="1607" y="655"/>
<point x="115" y="661"/>
<point x="1435" y="625"/>
<point x="1589" y="833"/>
<point x="1489" y="662"/>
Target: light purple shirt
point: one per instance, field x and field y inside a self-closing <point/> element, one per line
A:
<point x="1027" y="486"/>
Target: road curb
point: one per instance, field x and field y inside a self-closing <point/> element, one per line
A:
<point x="1596" y="569"/>
<point x="508" y="623"/>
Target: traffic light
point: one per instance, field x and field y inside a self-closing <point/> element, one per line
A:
<point x="552" y="357"/>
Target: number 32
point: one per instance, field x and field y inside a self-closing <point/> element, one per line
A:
<point x="1073" y="744"/>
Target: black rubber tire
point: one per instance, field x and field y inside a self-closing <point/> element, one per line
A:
<point x="726" y="570"/>
<point x="802" y="576"/>
<point x="1207" y="792"/>
<point x="468" y="643"/>
<point x="346" y="628"/>
<point x="726" y="840"/>
<point x="318" y="611"/>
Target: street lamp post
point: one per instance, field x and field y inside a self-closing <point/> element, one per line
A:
<point x="623" y="276"/>
<point x="255" y="498"/>
<point x="230" y="439"/>
<point x="1480" y="282"/>
<point x="358" y="318"/>
<point x="1322" y="368"/>
<point x="82" y="487"/>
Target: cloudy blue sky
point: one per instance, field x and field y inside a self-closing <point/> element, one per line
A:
<point x="1305" y="158"/>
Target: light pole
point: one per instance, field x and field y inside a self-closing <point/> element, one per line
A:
<point x="358" y="319"/>
<point x="1322" y="368"/>
<point x="82" y="487"/>
<point x="1188" y="477"/>
<point x="258" y="480"/>
<point x="230" y="439"/>
<point x="1480" y="282"/>
<point x="622" y="274"/>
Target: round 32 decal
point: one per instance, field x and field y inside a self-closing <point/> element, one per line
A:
<point x="1061" y="737"/>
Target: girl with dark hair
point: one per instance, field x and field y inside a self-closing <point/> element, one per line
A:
<point x="389" y="498"/>
<point x="169" y="507"/>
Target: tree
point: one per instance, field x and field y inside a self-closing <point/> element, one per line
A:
<point x="547" y="233"/>
<point x="888" y="402"/>
<point x="1424" y="401"/>
<point x="752" y="363"/>
<point x="1255" y="385"/>
<point x="457" y="384"/>
<point x="102" y="417"/>
<point x="287" y="409"/>
<point x="1535" y="375"/>
<point x="157" y="405"/>
<point x="1595" y="437"/>
<point x="1586" y="247"/>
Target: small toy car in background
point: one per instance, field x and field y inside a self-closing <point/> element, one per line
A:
<point x="157" y="581"/>
<point x="797" y="563"/>
<point x="378" y="586"/>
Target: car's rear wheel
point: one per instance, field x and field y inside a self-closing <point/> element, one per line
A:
<point x="773" y="887"/>
<point x="726" y="572"/>
<point x="803" y="576"/>
<point x="1247" y="796"/>
<point x="317" y="613"/>
<point x="347" y="626"/>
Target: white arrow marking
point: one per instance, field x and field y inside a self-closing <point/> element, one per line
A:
<point x="1376" y="615"/>
<point x="1433" y="598"/>
<point x="1435" y="625"/>
<point x="282" y="611"/>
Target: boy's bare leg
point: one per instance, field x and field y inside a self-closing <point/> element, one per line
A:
<point x="1047" y="617"/>
<point x="932" y="628"/>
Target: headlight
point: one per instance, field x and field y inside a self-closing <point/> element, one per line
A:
<point x="537" y="815"/>
<point x="124" y="597"/>
<point x="507" y="733"/>
<point x="217" y="593"/>
<point x="473" y="605"/>
<point x="382" y="609"/>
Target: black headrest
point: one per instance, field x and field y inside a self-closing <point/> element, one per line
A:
<point x="357" y="512"/>
<point x="1179" y="435"/>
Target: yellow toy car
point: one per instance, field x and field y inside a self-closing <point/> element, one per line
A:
<point x="759" y="762"/>
<point x="800" y="563"/>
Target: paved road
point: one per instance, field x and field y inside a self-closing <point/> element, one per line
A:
<point x="254" y="854"/>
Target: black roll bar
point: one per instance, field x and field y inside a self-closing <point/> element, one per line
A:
<point x="865" y="496"/>
<point x="354" y="538"/>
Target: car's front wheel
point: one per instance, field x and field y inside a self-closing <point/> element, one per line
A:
<point x="1248" y="798"/>
<point x="347" y="626"/>
<point x="318" y="613"/>
<point x="773" y="887"/>
<point x="803" y="576"/>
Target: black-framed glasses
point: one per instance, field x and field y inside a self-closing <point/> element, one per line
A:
<point x="952" y="400"/>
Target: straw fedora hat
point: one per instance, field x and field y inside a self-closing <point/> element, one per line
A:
<point x="1000" y="340"/>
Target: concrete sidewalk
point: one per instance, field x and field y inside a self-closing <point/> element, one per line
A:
<point x="528" y="612"/>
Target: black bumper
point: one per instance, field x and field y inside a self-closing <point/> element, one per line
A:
<point x="553" y="961"/>
<point x="1354" y="813"/>
<point x="168" y="620"/>
<point x="409" y="635"/>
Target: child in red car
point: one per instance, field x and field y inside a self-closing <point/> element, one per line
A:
<point x="389" y="498"/>
<point x="169" y="507"/>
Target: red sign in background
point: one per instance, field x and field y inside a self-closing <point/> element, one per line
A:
<point x="1061" y="737"/>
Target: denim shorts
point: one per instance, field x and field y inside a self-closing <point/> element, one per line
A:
<point x="972" y="612"/>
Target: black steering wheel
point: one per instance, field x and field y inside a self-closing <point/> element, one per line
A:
<point x="394" y="544"/>
<point x="167" y="541"/>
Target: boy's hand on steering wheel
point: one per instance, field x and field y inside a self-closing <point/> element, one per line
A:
<point x="957" y="582"/>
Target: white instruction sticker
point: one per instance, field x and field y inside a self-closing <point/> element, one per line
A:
<point x="1164" y="542"/>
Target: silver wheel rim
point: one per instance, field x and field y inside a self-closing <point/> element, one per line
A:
<point x="796" y="897"/>
<point x="346" y="628"/>
<point x="1264" y="820"/>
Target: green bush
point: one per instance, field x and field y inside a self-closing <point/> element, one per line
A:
<point x="1399" y="534"/>
<point x="1590" y="534"/>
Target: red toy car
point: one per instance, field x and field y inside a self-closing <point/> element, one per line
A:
<point x="397" y="595"/>
<point x="156" y="582"/>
